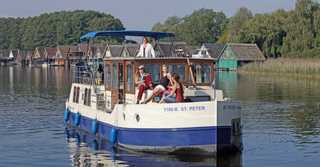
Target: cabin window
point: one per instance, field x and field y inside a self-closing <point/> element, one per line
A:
<point x="107" y="76"/>
<point x="114" y="76"/>
<point x="130" y="83"/>
<point x="203" y="73"/>
<point x="87" y="97"/>
<point x="154" y="70"/>
<point x="74" y="94"/>
<point x="77" y="90"/>
<point x="178" y="69"/>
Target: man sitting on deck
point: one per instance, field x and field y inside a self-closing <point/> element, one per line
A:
<point x="143" y="81"/>
<point x="146" y="49"/>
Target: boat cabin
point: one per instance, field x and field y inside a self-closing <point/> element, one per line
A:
<point x="120" y="74"/>
<point x="111" y="80"/>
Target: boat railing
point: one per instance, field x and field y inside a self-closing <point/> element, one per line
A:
<point x="82" y="74"/>
<point x="101" y="102"/>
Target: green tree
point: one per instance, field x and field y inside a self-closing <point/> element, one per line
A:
<point x="300" y="28"/>
<point x="203" y="25"/>
<point x="52" y="29"/>
<point x="236" y="23"/>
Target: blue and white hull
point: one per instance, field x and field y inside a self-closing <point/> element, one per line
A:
<point x="197" y="127"/>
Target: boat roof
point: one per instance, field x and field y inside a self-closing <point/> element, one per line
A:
<point x="124" y="33"/>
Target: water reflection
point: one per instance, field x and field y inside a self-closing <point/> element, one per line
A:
<point x="87" y="150"/>
<point x="38" y="80"/>
<point x="281" y="118"/>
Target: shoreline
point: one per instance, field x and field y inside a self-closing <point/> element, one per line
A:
<point x="297" y="67"/>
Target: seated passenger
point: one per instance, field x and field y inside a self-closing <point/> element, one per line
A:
<point x="146" y="49"/>
<point x="143" y="81"/>
<point x="162" y="86"/>
<point x="176" y="94"/>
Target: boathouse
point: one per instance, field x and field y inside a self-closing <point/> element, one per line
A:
<point x="130" y="50"/>
<point x="4" y="57"/>
<point x="96" y="51"/>
<point x="234" y="55"/>
<point x="50" y="55"/>
<point x="172" y="49"/>
<point x="24" y="57"/>
<point x="113" y="50"/>
<point x="39" y="57"/>
<point x="209" y="50"/>
<point x="73" y="54"/>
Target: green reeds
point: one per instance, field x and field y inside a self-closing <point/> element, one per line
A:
<point x="285" y="66"/>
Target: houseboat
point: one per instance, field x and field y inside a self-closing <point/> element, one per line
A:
<point x="103" y="103"/>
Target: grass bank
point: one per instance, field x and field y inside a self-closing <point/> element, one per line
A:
<point x="286" y="66"/>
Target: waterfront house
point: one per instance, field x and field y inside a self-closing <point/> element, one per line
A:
<point x="50" y="55"/>
<point x="14" y="57"/>
<point x="172" y="49"/>
<point x="96" y="51"/>
<point x="237" y="54"/>
<point x="208" y="50"/>
<point x="17" y="56"/>
<point x="24" y="57"/>
<point x="84" y="48"/>
<point x="130" y="50"/>
<point x="113" y="50"/>
<point x="4" y="57"/>
<point x="39" y="57"/>
<point x="73" y="55"/>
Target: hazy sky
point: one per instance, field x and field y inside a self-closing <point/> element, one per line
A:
<point x="139" y="14"/>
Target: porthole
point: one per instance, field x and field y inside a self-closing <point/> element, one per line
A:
<point x="137" y="117"/>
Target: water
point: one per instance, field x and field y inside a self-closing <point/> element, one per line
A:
<point x="281" y="121"/>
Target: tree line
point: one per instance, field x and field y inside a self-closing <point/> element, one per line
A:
<point x="294" y="33"/>
<point x="49" y="30"/>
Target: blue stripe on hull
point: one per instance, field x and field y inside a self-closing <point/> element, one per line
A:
<point x="161" y="137"/>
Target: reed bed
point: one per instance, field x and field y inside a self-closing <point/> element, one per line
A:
<point x="310" y="67"/>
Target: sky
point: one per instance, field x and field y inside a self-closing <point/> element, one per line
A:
<point x="139" y="14"/>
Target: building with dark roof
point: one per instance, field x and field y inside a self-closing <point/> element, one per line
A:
<point x="172" y="49"/>
<point x="130" y="50"/>
<point x="209" y="50"/>
<point x="236" y="54"/>
<point x="113" y="50"/>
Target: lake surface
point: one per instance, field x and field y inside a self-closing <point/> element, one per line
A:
<point x="280" y="115"/>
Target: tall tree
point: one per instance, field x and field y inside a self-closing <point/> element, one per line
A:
<point x="300" y="28"/>
<point x="203" y="25"/>
<point x="236" y="23"/>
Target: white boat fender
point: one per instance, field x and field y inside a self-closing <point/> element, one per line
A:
<point x="76" y="120"/>
<point x="94" y="126"/>
<point x="113" y="136"/>
<point x="66" y="115"/>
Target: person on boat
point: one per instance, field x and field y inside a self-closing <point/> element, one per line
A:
<point x="146" y="49"/>
<point x="100" y="75"/>
<point x="163" y="85"/>
<point x="176" y="93"/>
<point x="143" y="82"/>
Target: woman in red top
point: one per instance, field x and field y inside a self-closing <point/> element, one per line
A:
<point x="176" y="94"/>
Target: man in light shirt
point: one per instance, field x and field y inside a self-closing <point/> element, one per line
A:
<point x="146" y="49"/>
